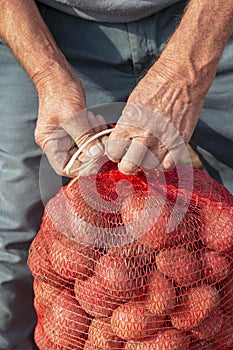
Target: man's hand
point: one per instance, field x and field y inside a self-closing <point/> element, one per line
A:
<point x="156" y="124"/>
<point x="63" y="125"/>
<point x="163" y="110"/>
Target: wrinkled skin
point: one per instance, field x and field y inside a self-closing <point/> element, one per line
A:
<point x="162" y="111"/>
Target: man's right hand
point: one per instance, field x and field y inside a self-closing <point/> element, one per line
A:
<point x="63" y="123"/>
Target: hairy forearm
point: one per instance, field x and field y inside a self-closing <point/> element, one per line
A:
<point x="193" y="52"/>
<point x="23" y="29"/>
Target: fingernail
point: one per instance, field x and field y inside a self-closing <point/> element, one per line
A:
<point x="127" y="168"/>
<point x="168" y="163"/>
<point x="95" y="151"/>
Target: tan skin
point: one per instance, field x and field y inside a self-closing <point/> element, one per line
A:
<point x="174" y="88"/>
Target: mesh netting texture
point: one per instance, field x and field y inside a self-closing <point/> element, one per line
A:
<point x="138" y="262"/>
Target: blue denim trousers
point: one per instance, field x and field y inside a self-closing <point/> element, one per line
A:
<point x="109" y="59"/>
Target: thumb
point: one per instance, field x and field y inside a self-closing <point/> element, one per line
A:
<point x="81" y="127"/>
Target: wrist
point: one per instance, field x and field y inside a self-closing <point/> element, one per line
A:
<point x="193" y="52"/>
<point x="54" y="74"/>
<point x="185" y="74"/>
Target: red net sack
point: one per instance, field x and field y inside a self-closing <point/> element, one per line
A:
<point x="135" y="262"/>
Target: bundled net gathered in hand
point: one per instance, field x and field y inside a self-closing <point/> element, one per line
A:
<point x="135" y="262"/>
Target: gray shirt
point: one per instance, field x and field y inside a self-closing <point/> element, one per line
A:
<point x="118" y="11"/>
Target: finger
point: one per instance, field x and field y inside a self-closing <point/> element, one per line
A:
<point x="101" y="121"/>
<point x="89" y="123"/>
<point x="133" y="158"/>
<point x="154" y="156"/>
<point x="115" y="149"/>
<point x="56" y="157"/>
<point x="79" y="129"/>
<point x="59" y="148"/>
<point x="88" y="169"/>
<point x="168" y="162"/>
<point x="150" y="161"/>
<point x="96" y="123"/>
<point x="71" y="151"/>
<point x="83" y="158"/>
<point x="104" y="139"/>
<point x="74" y="170"/>
<point x="95" y="149"/>
<point x="171" y="159"/>
<point x="77" y="126"/>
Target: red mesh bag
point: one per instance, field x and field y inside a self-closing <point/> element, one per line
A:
<point x="135" y="262"/>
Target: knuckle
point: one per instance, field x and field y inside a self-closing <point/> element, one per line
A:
<point x="38" y="137"/>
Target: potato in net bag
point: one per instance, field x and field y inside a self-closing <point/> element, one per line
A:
<point x="135" y="262"/>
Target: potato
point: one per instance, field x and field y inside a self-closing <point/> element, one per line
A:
<point x="201" y="345"/>
<point x="101" y="335"/>
<point x="61" y="340"/>
<point x="217" y="228"/>
<point x="187" y="230"/>
<point x="224" y="339"/>
<point x="41" y="340"/>
<point x="137" y="257"/>
<point x="117" y="278"/>
<point x="94" y="298"/>
<point x="146" y="219"/>
<point x="140" y="345"/>
<point x="50" y="337"/>
<point x="216" y="267"/>
<point x="180" y="264"/>
<point x="160" y="294"/>
<point x="195" y="307"/>
<point x="133" y="321"/>
<point x="68" y="241"/>
<point x="39" y="263"/>
<point x="226" y="295"/>
<point x="89" y="346"/>
<point x="72" y="263"/>
<point x="209" y="327"/>
<point x="68" y="316"/>
<point x="45" y="293"/>
<point x="87" y="211"/>
<point x="170" y="339"/>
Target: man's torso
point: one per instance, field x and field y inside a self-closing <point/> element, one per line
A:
<point x="112" y="11"/>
